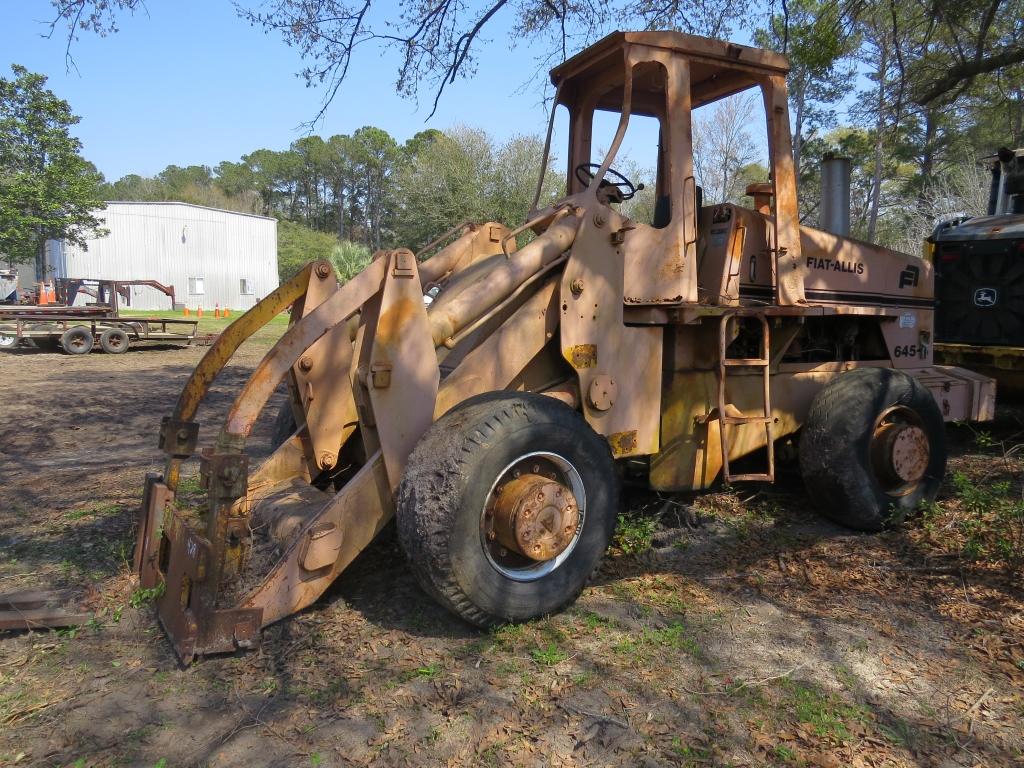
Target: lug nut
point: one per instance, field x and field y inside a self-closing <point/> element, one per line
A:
<point x="576" y="286"/>
<point x="323" y="270"/>
<point x="327" y="460"/>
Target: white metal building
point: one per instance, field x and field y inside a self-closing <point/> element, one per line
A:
<point x="211" y="257"/>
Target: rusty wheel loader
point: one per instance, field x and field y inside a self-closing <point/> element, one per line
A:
<point x="496" y="422"/>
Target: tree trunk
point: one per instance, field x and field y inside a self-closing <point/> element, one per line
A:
<point x="876" y="176"/>
<point x="339" y="202"/>
<point x="1017" y="110"/>
<point x="41" y="258"/>
<point x="927" y="166"/>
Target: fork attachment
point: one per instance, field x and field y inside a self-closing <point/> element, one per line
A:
<point x="363" y="365"/>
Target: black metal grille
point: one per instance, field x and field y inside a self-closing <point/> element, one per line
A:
<point x="979" y="292"/>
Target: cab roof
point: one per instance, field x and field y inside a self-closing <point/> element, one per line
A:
<point x="718" y="69"/>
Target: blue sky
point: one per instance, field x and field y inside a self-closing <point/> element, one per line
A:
<point x="191" y="83"/>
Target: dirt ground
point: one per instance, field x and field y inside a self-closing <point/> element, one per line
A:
<point x="736" y="628"/>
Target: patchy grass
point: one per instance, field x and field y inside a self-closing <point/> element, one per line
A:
<point x="426" y="672"/>
<point x="96" y="510"/>
<point x="634" y="532"/>
<point x="691" y="756"/>
<point x="549" y="656"/>
<point x="676" y="654"/>
<point x="665" y="594"/>
<point x="993" y="527"/>
<point x="142" y="595"/>
<point x="826" y="714"/>
<point x="639" y="648"/>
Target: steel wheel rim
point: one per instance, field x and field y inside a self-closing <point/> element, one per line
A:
<point x="7" y="340"/>
<point x="529" y="571"/>
<point x="892" y="485"/>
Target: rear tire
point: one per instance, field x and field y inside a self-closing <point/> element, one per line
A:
<point x="114" y="341"/>
<point x="284" y="425"/>
<point x="447" y="495"/>
<point x="77" y="340"/>
<point x="873" y="448"/>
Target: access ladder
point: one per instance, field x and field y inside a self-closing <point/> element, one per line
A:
<point x="725" y="418"/>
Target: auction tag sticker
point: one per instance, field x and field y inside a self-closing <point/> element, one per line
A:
<point x="908" y="320"/>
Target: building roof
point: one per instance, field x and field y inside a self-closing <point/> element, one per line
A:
<point x="190" y="205"/>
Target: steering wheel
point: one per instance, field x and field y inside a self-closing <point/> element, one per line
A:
<point x="585" y="173"/>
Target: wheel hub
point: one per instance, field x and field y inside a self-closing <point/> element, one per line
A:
<point x="534" y="516"/>
<point x="903" y="451"/>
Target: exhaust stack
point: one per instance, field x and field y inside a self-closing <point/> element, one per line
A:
<point x="835" y="194"/>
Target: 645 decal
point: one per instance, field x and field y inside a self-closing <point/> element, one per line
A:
<point x="910" y="350"/>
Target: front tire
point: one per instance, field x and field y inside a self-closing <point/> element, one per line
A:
<point x="490" y="558"/>
<point x="873" y="448"/>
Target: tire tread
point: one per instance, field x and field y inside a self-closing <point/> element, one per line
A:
<point x="442" y="461"/>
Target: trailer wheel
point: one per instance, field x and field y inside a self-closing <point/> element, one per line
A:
<point x="873" y="448"/>
<point x="77" y="340"/>
<point x="49" y="343"/>
<point x="114" y="341"/>
<point x="7" y="340"/>
<point x="506" y="507"/>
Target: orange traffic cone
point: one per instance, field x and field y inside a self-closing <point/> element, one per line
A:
<point x="199" y="312"/>
<point x="216" y="310"/>
<point x="184" y="311"/>
<point x="226" y="313"/>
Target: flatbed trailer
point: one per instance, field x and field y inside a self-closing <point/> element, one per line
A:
<point x="13" y="312"/>
<point x="79" y="329"/>
<point x="78" y="335"/>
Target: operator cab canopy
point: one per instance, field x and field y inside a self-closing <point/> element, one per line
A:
<point x="664" y="75"/>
